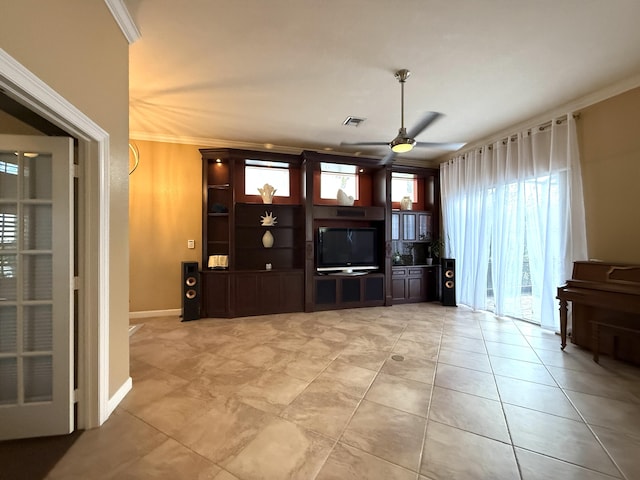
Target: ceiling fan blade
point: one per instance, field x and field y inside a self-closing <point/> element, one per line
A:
<point x="427" y="120"/>
<point x="366" y="144"/>
<point x="443" y="146"/>
<point x="388" y="157"/>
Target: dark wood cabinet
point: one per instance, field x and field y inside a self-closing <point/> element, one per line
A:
<point x="264" y="292"/>
<point x="215" y="293"/>
<point x="256" y="279"/>
<point x="412" y="284"/>
<point x="346" y="291"/>
<point x="412" y="232"/>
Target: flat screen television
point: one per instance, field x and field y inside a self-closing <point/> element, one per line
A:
<point x="347" y="250"/>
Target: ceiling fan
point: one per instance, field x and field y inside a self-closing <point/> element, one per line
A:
<point x="406" y="141"/>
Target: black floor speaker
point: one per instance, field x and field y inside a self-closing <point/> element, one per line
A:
<point x="448" y="282"/>
<point x="190" y="291"/>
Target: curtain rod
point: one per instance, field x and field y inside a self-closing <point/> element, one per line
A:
<point x="540" y="128"/>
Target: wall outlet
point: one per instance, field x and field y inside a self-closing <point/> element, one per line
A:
<point x="191" y="244"/>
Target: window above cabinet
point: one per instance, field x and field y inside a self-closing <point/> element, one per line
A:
<point x="404" y="185"/>
<point x="257" y="173"/>
<point x="337" y="176"/>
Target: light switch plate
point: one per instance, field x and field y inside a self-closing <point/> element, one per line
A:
<point x="191" y="244"/>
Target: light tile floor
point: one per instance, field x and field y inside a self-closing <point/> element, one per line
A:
<point x="407" y="392"/>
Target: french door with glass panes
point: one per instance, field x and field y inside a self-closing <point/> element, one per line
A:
<point x="36" y="286"/>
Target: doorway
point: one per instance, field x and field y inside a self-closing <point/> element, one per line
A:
<point x="92" y="394"/>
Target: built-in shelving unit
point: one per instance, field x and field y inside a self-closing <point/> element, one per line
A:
<point x="283" y="277"/>
<point x="415" y="273"/>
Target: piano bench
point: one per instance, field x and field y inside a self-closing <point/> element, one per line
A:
<point x="616" y="330"/>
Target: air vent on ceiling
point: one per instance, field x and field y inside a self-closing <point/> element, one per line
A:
<point x="353" y="121"/>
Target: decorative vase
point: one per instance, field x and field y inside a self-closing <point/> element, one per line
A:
<point x="267" y="239"/>
<point x="267" y="192"/>
<point x="344" y="199"/>
<point x="406" y="203"/>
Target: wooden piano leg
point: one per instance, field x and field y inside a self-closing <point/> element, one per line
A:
<point x="563" y="324"/>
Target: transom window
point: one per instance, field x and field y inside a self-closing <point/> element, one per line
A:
<point x="335" y="176"/>
<point x="403" y="185"/>
<point x="259" y="172"/>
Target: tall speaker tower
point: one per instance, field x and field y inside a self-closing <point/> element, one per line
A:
<point x="190" y="291"/>
<point x="448" y="282"/>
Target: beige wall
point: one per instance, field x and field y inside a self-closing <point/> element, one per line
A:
<point x="610" y="158"/>
<point x="76" y="47"/>
<point x="165" y="204"/>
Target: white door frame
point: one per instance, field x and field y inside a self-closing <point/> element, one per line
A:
<point x="93" y="152"/>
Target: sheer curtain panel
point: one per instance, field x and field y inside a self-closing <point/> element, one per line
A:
<point x="513" y="218"/>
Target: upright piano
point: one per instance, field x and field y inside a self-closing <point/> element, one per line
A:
<point x="605" y="309"/>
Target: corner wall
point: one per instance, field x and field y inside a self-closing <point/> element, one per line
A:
<point x="165" y="205"/>
<point x="610" y="160"/>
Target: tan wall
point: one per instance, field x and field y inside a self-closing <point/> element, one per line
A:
<point x="165" y="204"/>
<point x="610" y="158"/>
<point x="76" y="48"/>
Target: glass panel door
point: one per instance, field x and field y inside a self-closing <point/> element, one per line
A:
<point x="35" y="397"/>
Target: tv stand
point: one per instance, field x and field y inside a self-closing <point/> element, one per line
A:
<point x="348" y="290"/>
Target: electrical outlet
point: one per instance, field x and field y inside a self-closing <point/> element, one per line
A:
<point x="191" y="244"/>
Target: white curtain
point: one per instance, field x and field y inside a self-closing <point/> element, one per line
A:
<point x="513" y="218"/>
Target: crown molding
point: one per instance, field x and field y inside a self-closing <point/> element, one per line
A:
<point x="212" y="142"/>
<point x="123" y="18"/>
<point x="219" y="143"/>
<point x="573" y="106"/>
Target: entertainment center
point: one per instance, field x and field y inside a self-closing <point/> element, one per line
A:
<point x="310" y="253"/>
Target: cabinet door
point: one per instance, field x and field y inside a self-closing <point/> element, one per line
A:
<point x="246" y="294"/>
<point x="425" y="228"/>
<point x="398" y="289"/>
<point x="215" y="294"/>
<point x="395" y="226"/>
<point x="326" y="291"/>
<point x="269" y="292"/>
<point x="291" y="292"/>
<point x="398" y="285"/>
<point x="415" y="289"/>
<point x="409" y="226"/>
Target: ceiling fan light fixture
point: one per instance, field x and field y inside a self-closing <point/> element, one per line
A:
<point x="402" y="143"/>
<point x="406" y="145"/>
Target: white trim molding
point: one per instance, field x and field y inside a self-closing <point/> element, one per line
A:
<point x="32" y="92"/>
<point x="119" y="395"/>
<point x="123" y="18"/>
<point x="212" y="142"/>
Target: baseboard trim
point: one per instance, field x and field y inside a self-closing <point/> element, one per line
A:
<point x="119" y="396"/>
<point x="175" y="312"/>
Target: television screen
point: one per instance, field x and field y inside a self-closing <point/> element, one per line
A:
<point x="347" y="248"/>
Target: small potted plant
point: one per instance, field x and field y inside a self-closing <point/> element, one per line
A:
<point x="434" y="250"/>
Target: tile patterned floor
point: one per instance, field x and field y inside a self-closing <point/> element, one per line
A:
<point x="413" y="392"/>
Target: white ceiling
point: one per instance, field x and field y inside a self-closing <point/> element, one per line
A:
<point x="286" y="73"/>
